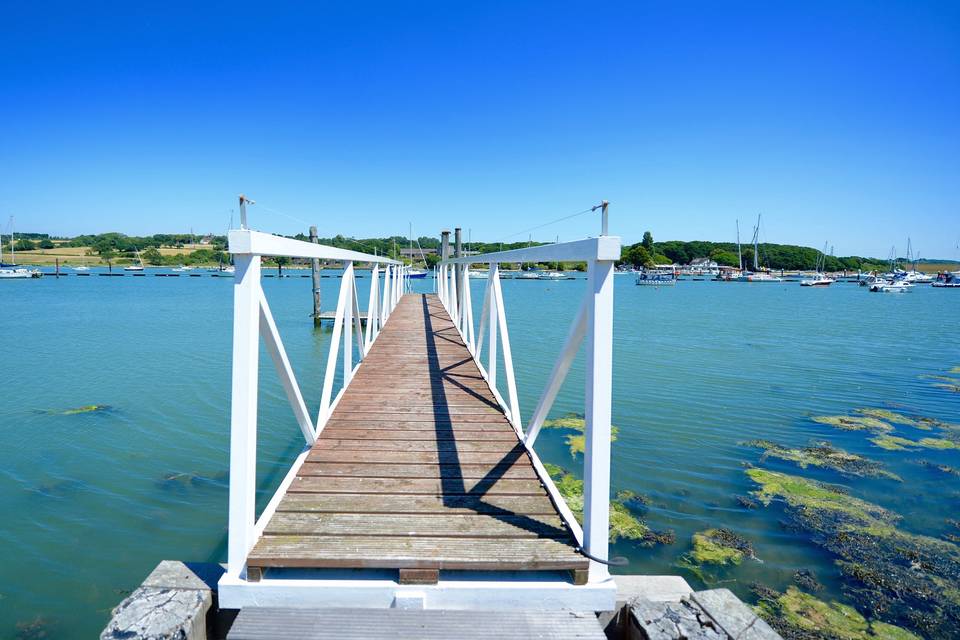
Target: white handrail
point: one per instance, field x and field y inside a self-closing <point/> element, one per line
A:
<point x="593" y="325"/>
<point x="253" y="319"/>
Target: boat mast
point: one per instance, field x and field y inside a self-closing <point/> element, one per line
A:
<point x="13" y="253"/>
<point x="739" y="253"/>
<point x="756" y="246"/>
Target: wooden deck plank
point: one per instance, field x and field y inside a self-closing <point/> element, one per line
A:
<point x="417" y="468"/>
<point x="451" y="505"/>
<point x="445" y="526"/>
<point x="412" y="552"/>
<point x="445" y="486"/>
<point x="518" y="469"/>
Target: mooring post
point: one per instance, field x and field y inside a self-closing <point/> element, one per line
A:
<point x="315" y="274"/>
<point x="58" y="267"/>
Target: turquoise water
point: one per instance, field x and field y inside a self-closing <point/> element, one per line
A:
<point x="92" y="501"/>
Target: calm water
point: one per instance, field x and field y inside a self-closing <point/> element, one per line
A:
<point x="93" y="501"/>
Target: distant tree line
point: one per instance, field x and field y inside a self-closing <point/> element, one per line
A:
<point x="647" y="253"/>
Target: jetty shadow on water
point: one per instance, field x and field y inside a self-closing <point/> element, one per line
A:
<point x="452" y="482"/>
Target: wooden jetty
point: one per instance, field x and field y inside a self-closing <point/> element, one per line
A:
<point x="418" y="470"/>
<point x="418" y="486"/>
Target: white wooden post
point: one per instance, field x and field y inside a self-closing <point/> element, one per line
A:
<point x="492" y="277"/>
<point x="347" y="283"/>
<point x="597" y="405"/>
<point x="373" y="314"/>
<point x="385" y="308"/>
<point x="507" y="359"/>
<point x="243" y="412"/>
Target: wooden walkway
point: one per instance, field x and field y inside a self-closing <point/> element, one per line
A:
<point x="418" y="470"/>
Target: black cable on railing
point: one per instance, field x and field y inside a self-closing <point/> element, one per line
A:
<point x="616" y="561"/>
<point x="547" y="224"/>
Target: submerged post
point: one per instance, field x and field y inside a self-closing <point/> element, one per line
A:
<point x="315" y="275"/>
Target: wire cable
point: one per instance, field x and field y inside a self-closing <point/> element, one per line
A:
<point x="547" y="224"/>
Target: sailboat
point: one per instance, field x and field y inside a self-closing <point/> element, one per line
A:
<point x="819" y="279"/>
<point x="413" y="272"/>
<point x="11" y="271"/>
<point x="757" y="275"/>
<point x="135" y="267"/>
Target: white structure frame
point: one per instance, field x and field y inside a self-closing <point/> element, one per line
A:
<point x="593" y="324"/>
<point x="252" y="319"/>
<point x="371" y="588"/>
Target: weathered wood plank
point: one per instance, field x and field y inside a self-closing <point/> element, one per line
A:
<point x="452" y="505"/>
<point x="416" y="423"/>
<point x="449" y="485"/>
<point x="461" y="526"/>
<point x="403" y="552"/>
<point x="431" y="435"/>
<point x="414" y="457"/>
<point x="439" y="445"/>
<point x="519" y="469"/>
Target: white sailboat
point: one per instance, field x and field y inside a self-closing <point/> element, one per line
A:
<point x="135" y="267"/>
<point x="819" y="278"/>
<point x="756" y="275"/>
<point x="12" y="271"/>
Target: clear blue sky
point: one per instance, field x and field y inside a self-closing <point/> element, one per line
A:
<point x="839" y="121"/>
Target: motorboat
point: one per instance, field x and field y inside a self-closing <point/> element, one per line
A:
<point x="416" y="273"/>
<point x="552" y="275"/>
<point x="895" y="286"/>
<point x="819" y="280"/>
<point x="19" y="273"/>
<point x="947" y="281"/>
<point x="182" y="268"/>
<point x="656" y="278"/>
<point x="528" y="275"/>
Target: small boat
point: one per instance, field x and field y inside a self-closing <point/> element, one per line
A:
<point x="416" y="273"/>
<point x="479" y="275"/>
<point x="528" y="275"/>
<point x="818" y="280"/>
<point x="19" y="273"/>
<point x="895" y="286"/>
<point x="551" y="275"/>
<point x="81" y="267"/>
<point x="135" y="267"/>
<point x="182" y="268"/>
<point x="656" y="278"/>
<point x="947" y="281"/>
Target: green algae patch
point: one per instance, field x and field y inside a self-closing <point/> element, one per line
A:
<point x="802" y="493"/>
<point x="798" y="614"/>
<point x="897" y="418"/>
<point x="719" y="546"/>
<point x="948" y="386"/>
<point x="904" y="577"/>
<point x="825" y="456"/>
<point x="624" y="525"/>
<point x="576" y="442"/>
<point x="87" y="408"/>
<point x="955" y="370"/>
<point x="855" y="423"/>
<point x="894" y="443"/>
<point x="938" y="443"/>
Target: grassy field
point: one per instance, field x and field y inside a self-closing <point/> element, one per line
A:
<point x="72" y="256"/>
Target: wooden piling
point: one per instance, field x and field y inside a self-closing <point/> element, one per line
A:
<point x="315" y="274"/>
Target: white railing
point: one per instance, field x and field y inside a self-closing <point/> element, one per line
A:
<point x="252" y="319"/>
<point x="592" y="324"/>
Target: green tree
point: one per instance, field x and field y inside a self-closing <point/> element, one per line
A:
<point x="47" y="243"/>
<point x="647" y="241"/>
<point x="638" y="256"/>
<point x="152" y="256"/>
<point x="24" y="245"/>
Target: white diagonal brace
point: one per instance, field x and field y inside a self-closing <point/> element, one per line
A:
<point x="271" y="339"/>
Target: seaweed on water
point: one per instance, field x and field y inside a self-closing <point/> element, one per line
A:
<point x="623" y="524"/>
<point x="942" y="468"/>
<point x="855" y="423"/>
<point x="824" y="455"/>
<point x="896" y="443"/>
<point x="797" y="614"/>
<point x="806" y="580"/>
<point x="39" y="628"/>
<point x="897" y="418"/>
<point x="720" y="546"/>
<point x="89" y="408"/>
<point x="908" y="578"/>
<point x="575" y="422"/>
<point x="180" y="481"/>
<point x="747" y="502"/>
